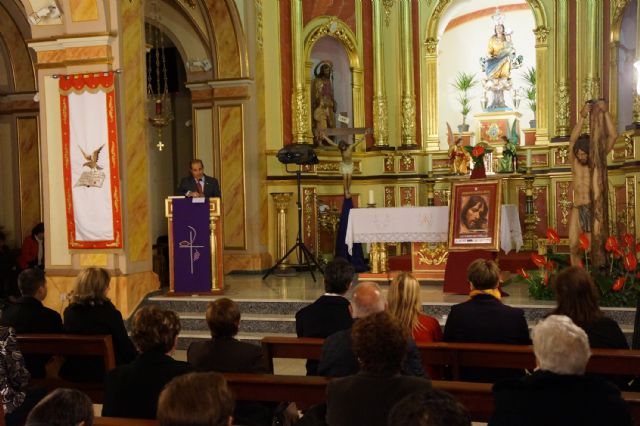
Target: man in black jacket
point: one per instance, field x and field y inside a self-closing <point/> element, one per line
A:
<point x="29" y="315"/>
<point x="198" y="184"/>
<point x="330" y="312"/>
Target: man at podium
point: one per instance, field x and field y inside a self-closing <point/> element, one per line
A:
<point x="198" y="184"/>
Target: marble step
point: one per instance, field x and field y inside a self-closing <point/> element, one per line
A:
<point x="533" y="313"/>
<point x="250" y="323"/>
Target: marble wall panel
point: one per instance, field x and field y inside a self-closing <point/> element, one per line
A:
<point x="230" y="125"/>
<point x="228" y="58"/>
<point x="135" y="156"/>
<point x="29" y="166"/>
<point x="342" y="9"/>
<point x="286" y="69"/>
<point x="83" y="10"/>
<point x="22" y="68"/>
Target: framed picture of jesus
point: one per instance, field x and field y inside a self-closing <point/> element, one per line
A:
<point x="474" y="215"/>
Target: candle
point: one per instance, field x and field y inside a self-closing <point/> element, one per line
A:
<point x="372" y="199"/>
<point x="429" y="163"/>
<point x="528" y="158"/>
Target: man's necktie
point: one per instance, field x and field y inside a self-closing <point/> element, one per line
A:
<point x="199" y="185"/>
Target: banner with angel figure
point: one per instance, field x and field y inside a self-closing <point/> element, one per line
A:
<point x="90" y="161"/>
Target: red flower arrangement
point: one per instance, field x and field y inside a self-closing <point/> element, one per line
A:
<point x="618" y="286"/>
<point x="477" y="153"/>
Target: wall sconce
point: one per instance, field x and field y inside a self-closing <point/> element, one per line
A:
<point x="51" y="11"/>
<point x="203" y="64"/>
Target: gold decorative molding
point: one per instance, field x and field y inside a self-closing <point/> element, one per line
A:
<point x="389" y="163"/>
<point x="334" y="167"/>
<point x="630" y="182"/>
<point x="562" y="108"/>
<point x="428" y="255"/>
<point x="380" y="121"/>
<point x="380" y="113"/>
<point x="636" y="108"/>
<point x="408" y="196"/>
<point x="308" y="197"/>
<point x="407" y="163"/>
<point x="431" y="46"/>
<point x="408" y="120"/>
<point x="389" y="196"/>
<point x="563" y="154"/>
<point x="629" y="147"/>
<point x="617" y="10"/>
<point x="542" y="33"/>
<point x="300" y="114"/>
<point x="563" y="202"/>
<point x="332" y="29"/>
<point x="388" y="5"/>
<point x="259" y="25"/>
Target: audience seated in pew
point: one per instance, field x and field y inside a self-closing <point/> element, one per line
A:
<point x="17" y="400"/>
<point x="405" y="305"/>
<point x="28" y="315"/>
<point x="338" y="359"/>
<point x="432" y="407"/>
<point x="225" y="354"/>
<point x="330" y="312"/>
<point x="62" y="407"/>
<point x="196" y="399"/>
<point x="132" y="390"/>
<point x="558" y="392"/>
<point x="91" y="312"/>
<point x="366" y="398"/>
<point x="485" y="319"/>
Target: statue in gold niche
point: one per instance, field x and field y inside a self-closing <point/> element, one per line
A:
<point x="323" y="103"/>
<point x="458" y="157"/>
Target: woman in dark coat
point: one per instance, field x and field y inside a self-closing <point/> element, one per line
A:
<point x="91" y="312"/>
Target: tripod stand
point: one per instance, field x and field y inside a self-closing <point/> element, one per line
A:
<point x="306" y="256"/>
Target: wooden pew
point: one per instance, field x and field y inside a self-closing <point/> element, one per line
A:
<point x="458" y="355"/>
<point x="2" y="415"/>
<point x="69" y="345"/>
<point x="121" y="421"/>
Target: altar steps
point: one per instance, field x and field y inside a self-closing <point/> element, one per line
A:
<point x="277" y="318"/>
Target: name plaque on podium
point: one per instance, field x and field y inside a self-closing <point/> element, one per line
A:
<point x="195" y="245"/>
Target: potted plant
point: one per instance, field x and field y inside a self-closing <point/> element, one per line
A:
<point x="529" y="76"/>
<point x="463" y="83"/>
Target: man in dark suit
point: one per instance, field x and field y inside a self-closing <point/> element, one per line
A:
<point x="198" y="184"/>
<point x="338" y="358"/>
<point x="29" y="315"/>
<point x="558" y="392"/>
<point x="330" y="312"/>
<point x="367" y="397"/>
<point x="225" y="354"/>
<point x="485" y="319"/>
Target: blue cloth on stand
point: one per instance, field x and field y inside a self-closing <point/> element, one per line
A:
<point x="357" y="259"/>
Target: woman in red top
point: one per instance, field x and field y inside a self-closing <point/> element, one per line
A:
<point x="406" y="307"/>
<point x="32" y="253"/>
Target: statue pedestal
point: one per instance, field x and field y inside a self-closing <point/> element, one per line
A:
<point x="467" y="137"/>
<point x="529" y="137"/>
<point x="493" y="125"/>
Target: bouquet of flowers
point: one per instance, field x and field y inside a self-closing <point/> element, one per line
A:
<point x="477" y="153"/>
<point x="618" y="285"/>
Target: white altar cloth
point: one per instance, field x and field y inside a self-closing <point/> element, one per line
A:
<point x="510" y="230"/>
<point x="397" y="224"/>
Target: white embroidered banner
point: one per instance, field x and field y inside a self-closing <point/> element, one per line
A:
<point x="90" y="157"/>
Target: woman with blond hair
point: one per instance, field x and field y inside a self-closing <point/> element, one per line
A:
<point x="91" y="312"/>
<point x="406" y="307"/>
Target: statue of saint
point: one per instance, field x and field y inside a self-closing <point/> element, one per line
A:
<point x="458" y="157"/>
<point x="508" y="160"/>
<point x="323" y="103"/>
<point x="346" y="165"/>
<point x="588" y="156"/>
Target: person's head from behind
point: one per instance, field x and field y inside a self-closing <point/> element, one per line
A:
<point x="37" y="231"/>
<point x="196" y="399"/>
<point x="62" y="407"/>
<point x="404" y="299"/>
<point x="432" y="407"/>
<point x="338" y="275"/>
<point x="560" y="346"/>
<point x="577" y="296"/>
<point x="367" y="299"/>
<point x="196" y="168"/>
<point x="483" y="274"/>
<point x="32" y="283"/>
<point x="474" y="212"/>
<point x="223" y="317"/>
<point x="379" y="343"/>
<point x="92" y="285"/>
<point x="155" y="329"/>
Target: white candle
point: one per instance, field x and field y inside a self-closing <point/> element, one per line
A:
<point x="528" y="158"/>
<point x="429" y="163"/>
<point x="372" y="199"/>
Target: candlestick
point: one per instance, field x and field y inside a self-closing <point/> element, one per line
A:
<point x="529" y="158"/>
<point x="429" y="163"/>
<point x="372" y="198"/>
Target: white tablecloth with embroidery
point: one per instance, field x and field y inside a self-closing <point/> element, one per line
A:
<point x="510" y="230"/>
<point x="397" y="224"/>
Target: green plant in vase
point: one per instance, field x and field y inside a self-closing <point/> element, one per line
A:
<point x="463" y="83"/>
<point x="529" y="76"/>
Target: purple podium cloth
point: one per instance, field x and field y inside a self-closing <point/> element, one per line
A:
<point x="191" y="247"/>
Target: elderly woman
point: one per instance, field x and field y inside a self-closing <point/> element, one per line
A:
<point x="132" y="390"/>
<point x="91" y="312"/>
<point x="558" y="392"/>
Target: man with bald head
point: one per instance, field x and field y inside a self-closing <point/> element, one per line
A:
<point x="338" y="359"/>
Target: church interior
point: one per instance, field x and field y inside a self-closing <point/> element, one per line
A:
<point x="393" y="98"/>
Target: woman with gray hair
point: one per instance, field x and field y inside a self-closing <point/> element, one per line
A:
<point x="558" y="392"/>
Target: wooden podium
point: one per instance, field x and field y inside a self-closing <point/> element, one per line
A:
<point x="195" y="245"/>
